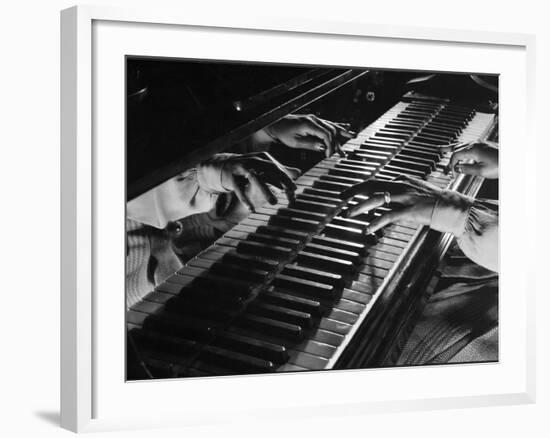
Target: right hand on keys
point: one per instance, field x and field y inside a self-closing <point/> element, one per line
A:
<point x="413" y="202"/>
<point x="484" y="155"/>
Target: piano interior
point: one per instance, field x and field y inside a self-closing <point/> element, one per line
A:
<point x="294" y="286"/>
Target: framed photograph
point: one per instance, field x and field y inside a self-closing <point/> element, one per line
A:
<point x="277" y="217"/>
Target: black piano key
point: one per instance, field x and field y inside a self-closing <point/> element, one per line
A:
<point x="422" y="152"/>
<point x="330" y="251"/>
<point x="254" y="262"/>
<point x="207" y="310"/>
<point x="215" y="283"/>
<point x="356" y="167"/>
<point x="322" y="262"/>
<point x="331" y="194"/>
<point x="329" y="203"/>
<point x="280" y="313"/>
<point x="252" y="346"/>
<point x="402" y="162"/>
<point x="346" y="245"/>
<point x="189" y="328"/>
<point x="368" y="157"/>
<point x="350" y="223"/>
<point x="378" y="149"/>
<point x="178" y="346"/>
<point x="303" y="203"/>
<point x="303" y="214"/>
<point x="409" y="116"/>
<point x="270" y="327"/>
<point x="331" y="185"/>
<point x="315" y="275"/>
<point x="280" y="232"/>
<point x="342" y="232"/>
<point x="319" y="291"/>
<point x="235" y="360"/>
<point x="295" y="223"/>
<point x="264" y="250"/>
<point x="395" y="144"/>
<point x="416" y="158"/>
<point x="282" y="298"/>
<point x="446" y="127"/>
<point x="392" y="134"/>
<point x="270" y="239"/>
<point x="452" y="133"/>
<point x="355" y="174"/>
<point x="244" y="272"/>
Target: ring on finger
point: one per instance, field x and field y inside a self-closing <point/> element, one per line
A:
<point x="387" y="198"/>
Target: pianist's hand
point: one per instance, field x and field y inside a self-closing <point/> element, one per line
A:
<point x="413" y="202"/>
<point x="309" y="132"/>
<point x="484" y="157"/>
<point x="256" y="175"/>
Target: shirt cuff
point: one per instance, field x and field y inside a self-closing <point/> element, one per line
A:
<point x="450" y="213"/>
<point x="209" y="174"/>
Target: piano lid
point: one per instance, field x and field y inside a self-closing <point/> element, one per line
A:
<point x="180" y="112"/>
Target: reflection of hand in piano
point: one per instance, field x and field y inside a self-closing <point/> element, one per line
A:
<point x="309" y="132"/>
<point x="259" y="171"/>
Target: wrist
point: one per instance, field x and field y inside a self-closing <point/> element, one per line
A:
<point x="210" y="174"/>
<point x="450" y="212"/>
<point x="263" y="137"/>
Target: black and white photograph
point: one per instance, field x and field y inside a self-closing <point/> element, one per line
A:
<point x="290" y="218"/>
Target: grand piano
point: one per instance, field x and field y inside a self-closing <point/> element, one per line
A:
<point x="295" y="286"/>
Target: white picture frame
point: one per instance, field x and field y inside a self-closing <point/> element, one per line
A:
<point x="84" y="175"/>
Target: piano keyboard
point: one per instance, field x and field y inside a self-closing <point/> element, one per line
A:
<point x="289" y="287"/>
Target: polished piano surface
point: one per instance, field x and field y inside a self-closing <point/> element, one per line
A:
<point x="295" y="286"/>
